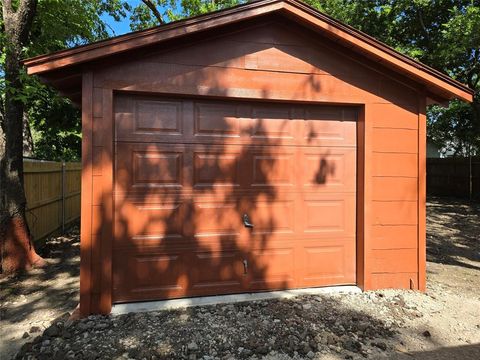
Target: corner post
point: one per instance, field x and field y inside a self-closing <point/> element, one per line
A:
<point x="422" y="197"/>
<point x="86" y="196"/>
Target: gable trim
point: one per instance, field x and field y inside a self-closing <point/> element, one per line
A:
<point x="436" y="82"/>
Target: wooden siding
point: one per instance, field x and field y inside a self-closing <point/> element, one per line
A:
<point x="43" y="182"/>
<point x="394" y="196"/>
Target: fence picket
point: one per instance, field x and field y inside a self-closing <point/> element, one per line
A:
<point x="451" y="177"/>
<point x="53" y="195"/>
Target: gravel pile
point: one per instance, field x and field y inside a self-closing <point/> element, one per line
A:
<point x="308" y="327"/>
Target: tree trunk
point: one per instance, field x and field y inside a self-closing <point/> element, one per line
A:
<point x="27" y="137"/>
<point x="17" y="251"/>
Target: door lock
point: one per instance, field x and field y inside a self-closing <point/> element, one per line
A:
<point x="247" y="222"/>
<point x="245" y="267"/>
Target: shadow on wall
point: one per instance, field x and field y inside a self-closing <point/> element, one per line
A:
<point x="183" y="187"/>
<point x="180" y="204"/>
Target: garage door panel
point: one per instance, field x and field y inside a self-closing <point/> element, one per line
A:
<point x="329" y="215"/>
<point x="272" y="267"/>
<point x="154" y="223"/>
<point x="273" y="122"/>
<point x="330" y="126"/>
<point x="150" y="119"/>
<point x="219" y="119"/>
<point x="155" y="168"/>
<point x="217" y="167"/>
<point x="273" y="217"/>
<point x="328" y="263"/>
<point x="148" y="276"/>
<point x="146" y="119"/>
<point x="271" y="167"/>
<point x="217" y="270"/>
<point x="216" y="219"/>
<point x="329" y="169"/>
<point x="143" y="166"/>
<point x="187" y="171"/>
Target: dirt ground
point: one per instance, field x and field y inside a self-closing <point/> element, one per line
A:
<point x="443" y="323"/>
<point x="29" y="302"/>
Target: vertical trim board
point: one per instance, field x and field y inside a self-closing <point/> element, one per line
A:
<point x="86" y="196"/>
<point x="422" y="155"/>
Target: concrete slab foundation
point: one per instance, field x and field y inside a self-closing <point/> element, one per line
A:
<point x="119" y="309"/>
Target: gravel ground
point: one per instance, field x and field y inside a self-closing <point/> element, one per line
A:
<point x="443" y="323"/>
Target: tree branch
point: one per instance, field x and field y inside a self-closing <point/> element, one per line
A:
<point x="25" y="14"/>
<point x="154" y="10"/>
<point x="422" y="24"/>
<point x="7" y="7"/>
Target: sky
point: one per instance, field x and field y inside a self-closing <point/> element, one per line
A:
<point x="119" y="27"/>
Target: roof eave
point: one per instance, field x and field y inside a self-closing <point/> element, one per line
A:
<point x="438" y="83"/>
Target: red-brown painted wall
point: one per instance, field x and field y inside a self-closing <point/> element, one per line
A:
<point x="275" y="61"/>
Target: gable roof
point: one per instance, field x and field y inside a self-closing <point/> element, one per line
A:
<point x="439" y="85"/>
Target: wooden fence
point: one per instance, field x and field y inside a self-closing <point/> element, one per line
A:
<point x="451" y="177"/>
<point x="53" y="195"/>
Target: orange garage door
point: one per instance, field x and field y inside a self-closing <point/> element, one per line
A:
<point x="215" y="197"/>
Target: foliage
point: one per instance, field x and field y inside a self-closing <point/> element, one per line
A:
<point x="54" y="122"/>
<point x="452" y="130"/>
<point x="143" y="17"/>
<point x="444" y="34"/>
<point x="56" y="125"/>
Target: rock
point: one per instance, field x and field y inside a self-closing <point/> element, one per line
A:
<point x="90" y="324"/>
<point x="134" y="353"/>
<point x="192" y="346"/>
<point x="101" y="326"/>
<point x="62" y="318"/>
<point x="263" y="350"/>
<point x="306" y="306"/>
<point x="305" y="348"/>
<point x="427" y="334"/>
<point x="362" y="326"/>
<point x="25" y="335"/>
<point x="381" y="345"/>
<point x="331" y="339"/>
<point x="68" y="323"/>
<point x="352" y="345"/>
<point x="58" y="355"/>
<point x="311" y="355"/>
<point x="24" y="349"/>
<point x="34" y="329"/>
<point x="52" y="331"/>
<point x="84" y="326"/>
<point x="37" y="339"/>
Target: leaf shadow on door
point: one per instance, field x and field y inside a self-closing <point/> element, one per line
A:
<point x="179" y="204"/>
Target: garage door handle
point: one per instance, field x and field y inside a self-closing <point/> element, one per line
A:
<point x="246" y="221"/>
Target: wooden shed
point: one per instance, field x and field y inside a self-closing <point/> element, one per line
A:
<point x="262" y="147"/>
